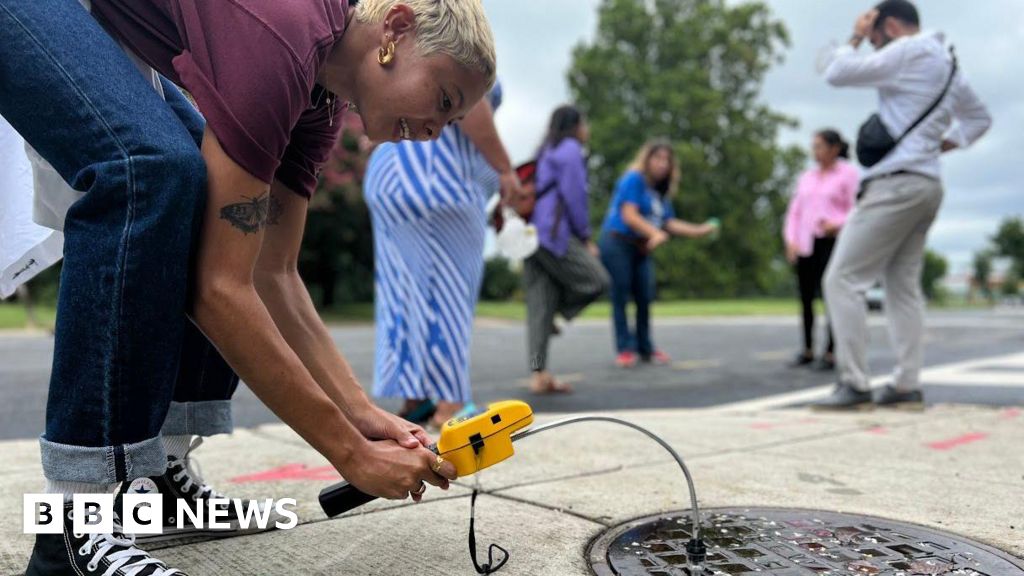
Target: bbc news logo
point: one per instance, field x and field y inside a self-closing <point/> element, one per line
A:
<point x="144" y="514"/>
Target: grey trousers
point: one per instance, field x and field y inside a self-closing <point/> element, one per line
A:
<point x="884" y="239"/>
<point x="563" y="285"/>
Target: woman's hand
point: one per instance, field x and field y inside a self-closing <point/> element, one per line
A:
<point x="593" y="249"/>
<point x="385" y="469"/>
<point x="830" y="228"/>
<point x="657" y="239"/>
<point x="791" y="253"/>
<point x="513" y="193"/>
<point x="377" y="424"/>
<point x="510" y="187"/>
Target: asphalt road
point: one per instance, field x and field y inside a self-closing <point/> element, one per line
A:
<point x="717" y="361"/>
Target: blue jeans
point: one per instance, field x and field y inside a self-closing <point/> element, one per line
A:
<point x="632" y="273"/>
<point x="74" y="95"/>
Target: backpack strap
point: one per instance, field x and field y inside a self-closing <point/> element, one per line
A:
<point x="935" y="104"/>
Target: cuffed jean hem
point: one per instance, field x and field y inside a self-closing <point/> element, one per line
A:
<point x="103" y="464"/>
<point x="198" y="418"/>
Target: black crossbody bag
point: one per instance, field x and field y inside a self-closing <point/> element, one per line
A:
<point x="874" y="142"/>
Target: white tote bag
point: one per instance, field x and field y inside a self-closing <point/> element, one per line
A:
<point x="34" y="200"/>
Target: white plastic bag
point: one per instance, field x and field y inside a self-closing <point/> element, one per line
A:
<point x="518" y="238"/>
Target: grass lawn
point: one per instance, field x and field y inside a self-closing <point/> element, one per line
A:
<point x="12" y="315"/>
<point x="673" y="309"/>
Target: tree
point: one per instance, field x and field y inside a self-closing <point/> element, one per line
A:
<point x="500" y="282"/>
<point x="1009" y="242"/>
<point x="1011" y="284"/>
<point x="692" y="71"/>
<point x="983" y="272"/>
<point x="935" y="268"/>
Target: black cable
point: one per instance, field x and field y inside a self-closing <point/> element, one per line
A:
<point x="490" y="566"/>
<point x="696" y="551"/>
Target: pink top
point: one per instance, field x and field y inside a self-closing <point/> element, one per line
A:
<point x="821" y="197"/>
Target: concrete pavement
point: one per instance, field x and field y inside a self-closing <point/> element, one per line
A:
<point x="727" y="405"/>
<point x="956" y="468"/>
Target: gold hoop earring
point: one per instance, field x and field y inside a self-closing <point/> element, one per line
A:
<point x="384" y="57"/>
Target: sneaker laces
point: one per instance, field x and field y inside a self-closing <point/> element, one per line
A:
<point x="104" y="544"/>
<point x="191" y="472"/>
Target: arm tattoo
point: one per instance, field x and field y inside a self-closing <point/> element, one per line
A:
<point x="253" y="214"/>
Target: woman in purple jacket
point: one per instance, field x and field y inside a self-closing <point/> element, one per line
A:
<point x="564" y="276"/>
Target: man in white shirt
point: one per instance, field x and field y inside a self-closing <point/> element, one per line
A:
<point x="884" y="238"/>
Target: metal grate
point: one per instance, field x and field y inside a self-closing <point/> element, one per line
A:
<point x="787" y="542"/>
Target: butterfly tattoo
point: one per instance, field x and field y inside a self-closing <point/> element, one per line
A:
<point x="253" y="214"/>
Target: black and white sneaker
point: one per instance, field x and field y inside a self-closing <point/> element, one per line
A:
<point x="182" y="481"/>
<point x="111" y="554"/>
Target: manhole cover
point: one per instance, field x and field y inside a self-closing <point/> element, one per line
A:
<point x="794" y="543"/>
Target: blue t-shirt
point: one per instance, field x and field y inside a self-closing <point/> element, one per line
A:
<point x="633" y="188"/>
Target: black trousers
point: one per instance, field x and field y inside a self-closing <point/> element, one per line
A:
<point x="809" y="272"/>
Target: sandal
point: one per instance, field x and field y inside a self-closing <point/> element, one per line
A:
<point x="420" y="413"/>
<point x="549" y="385"/>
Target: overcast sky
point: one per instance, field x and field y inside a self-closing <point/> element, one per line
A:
<point x="983" y="184"/>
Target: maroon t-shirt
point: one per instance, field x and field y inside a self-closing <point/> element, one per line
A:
<point x="251" y="66"/>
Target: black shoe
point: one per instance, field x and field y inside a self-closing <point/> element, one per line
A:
<point x="844" y="398"/>
<point x="890" y="397"/>
<point x="826" y="364"/>
<point x="180" y="481"/>
<point x="73" y="554"/>
<point x="801" y="360"/>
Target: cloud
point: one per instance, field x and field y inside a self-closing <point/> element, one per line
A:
<point x="983" y="184"/>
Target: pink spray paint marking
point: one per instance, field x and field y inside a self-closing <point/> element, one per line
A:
<point x="951" y="443"/>
<point x="1010" y="413"/>
<point x="879" y="430"/>
<point x="290" y="472"/>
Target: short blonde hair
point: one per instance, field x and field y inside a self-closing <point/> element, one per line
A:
<point x="458" y="28"/>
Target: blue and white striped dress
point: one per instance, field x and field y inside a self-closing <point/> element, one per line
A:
<point x="427" y="202"/>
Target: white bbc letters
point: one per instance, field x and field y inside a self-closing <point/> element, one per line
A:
<point x="218" y="509"/>
<point x="92" y="513"/>
<point x="293" y="518"/>
<point x="145" y="514"/>
<point x="142" y="513"/>
<point x="43" y="513"/>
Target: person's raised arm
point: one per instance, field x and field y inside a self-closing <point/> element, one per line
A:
<point x="479" y="127"/>
<point x="875" y="70"/>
